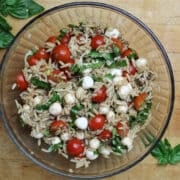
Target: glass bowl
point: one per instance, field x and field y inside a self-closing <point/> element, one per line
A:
<point x="140" y="38"/>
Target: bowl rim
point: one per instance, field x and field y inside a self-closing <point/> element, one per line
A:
<point x="171" y="76"/>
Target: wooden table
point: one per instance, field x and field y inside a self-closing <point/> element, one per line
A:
<point x="163" y="17"/>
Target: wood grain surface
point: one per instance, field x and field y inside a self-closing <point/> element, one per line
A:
<point x="163" y="17"/>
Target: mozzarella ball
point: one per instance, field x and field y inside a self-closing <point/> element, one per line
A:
<point x="125" y="91"/>
<point x="65" y="136"/>
<point x="87" y="82"/>
<point x="55" y="140"/>
<point x="141" y="64"/>
<point x="119" y="80"/>
<point x="81" y="123"/>
<point x="70" y="98"/>
<point x="37" y="100"/>
<point x="104" y="109"/>
<point x="94" y="143"/>
<point x="112" y="33"/>
<point x="55" y="109"/>
<point x="110" y="116"/>
<point x="36" y="134"/>
<point x="105" y="150"/>
<point x="91" y="155"/>
<point x="80" y="135"/>
<point x="127" y="142"/>
<point x="80" y="92"/>
<point x="116" y="72"/>
<point x="122" y="108"/>
<point x="26" y="108"/>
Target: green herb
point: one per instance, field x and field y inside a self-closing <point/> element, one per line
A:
<point x="55" y="97"/>
<point x="101" y="56"/>
<point x="96" y="152"/>
<point x="166" y="154"/>
<point x="97" y="78"/>
<point x="133" y="55"/>
<point x="40" y="84"/>
<point x="55" y="147"/>
<point x="79" y="27"/>
<point x="116" y="64"/>
<point x="63" y="32"/>
<point x="72" y="26"/>
<point x="4" y="25"/>
<point x="109" y="76"/>
<point x="47" y="133"/>
<point x="114" y="132"/>
<point x="116" y="50"/>
<point x="141" y="116"/>
<point x="116" y="144"/>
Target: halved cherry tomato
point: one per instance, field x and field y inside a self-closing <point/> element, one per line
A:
<point x="132" y="71"/>
<point x="66" y="39"/>
<point x="122" y="130"/>
<point x="100" y="95"/>
<point x="32" y="60"/>
<point x="52" y="39"/>
<point x="97" y="41"/>
<point x="118" y="43"/>
<point x="105" y="134"/>
<point x="139" y="100"/>
<point x="75" y="147"/>
<point x="97" y="122"/>
<point x="57" y="124"/>
<point x="61" y="53"/>
<point x="21" y="82"/>
<point x="130" y="53"/>
<point x="41" y="54"/>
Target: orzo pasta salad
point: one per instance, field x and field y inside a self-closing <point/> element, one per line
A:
<point x="86" y="93"/>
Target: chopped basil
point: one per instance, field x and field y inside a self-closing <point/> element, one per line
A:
<point x="133" y="55"/>
<point x="55" y="147"/>
<point x="116" y="144"/>
<point x="121" y="63"/>
<point x="116" y="50"/>
<point x="40" y="84"/>
<point x="47" y="133"/>
<point x="63" y="32"/>
<point x="97" y="78"/>
<point x="109" y="76"/>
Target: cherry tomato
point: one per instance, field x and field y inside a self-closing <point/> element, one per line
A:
<point x="75" y="147"/>
<point x="118" y="43"/>
<point x="132" y="71"/>
<point x="97" y="122"/>
<point x="130" y="53"/>
<point x="97" y="41"/>
<point x="66" y="39"/>
<point x="52" y="39"/>
<point x="105" y="134"/>
<point x="61" y="53"/>
<point x="139" y="100"/>
<point x="41" y="54"/>
<point x="122" y="129"/>
<point x="22" y="84"/>
<point x="100" y="95"/>
<point x="32" y="60"/>
<point x="57" y="124"/>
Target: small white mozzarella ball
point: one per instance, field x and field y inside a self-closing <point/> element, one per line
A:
<point x="118" y="80"/>
<point x="26" y="108"/>
<point x="70" y="98"/>
<point x="125" y="90"/>
<point x="87" y="71"/>
<point x="65" y="136"/>
<point x="55" y="109"/>
<point x="141" y="64"/>
<point x="110" y="116"/>
<point x="55" y="140"/>
<point x="36" y="134"/>
<point x="113" y="33"/>
<point x="116" y="72"/>
<point x="104" y="109"/>
<point x="91" y="155"/>
<point x="80" y="135"/>
<point x="105" y="150"/>
<point x="81" y="123"/>
<point x="94" y="143"/>
<point x="80" y="92"/>
<point x="122" y="108"/>
<point x="127" y="142"/>
<point x="37" y="100"/>
<point x="87" y="82"/>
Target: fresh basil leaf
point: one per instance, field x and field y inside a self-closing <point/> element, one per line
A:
<point x="97" y="78"/>
<point x="75" y="110"/>
<point x="34" y="8"/>
<point x="116" y="50"/>
<point x="6" y="38"/>
<point x="63" y="32"/>
<point x="40" y="84"/>
<point x="55" y="147"/>
<point x="47" y="133"/>
<point x="108" y="56"/>
<point x="109" y="76"/>
<point x="4" y="25"/>
<point x="116" y="64"/>
<point x="94" y="54"/>
<point x="175" y="155"/>
<point x="3" y="8"/>
<point x="10" y="2"/>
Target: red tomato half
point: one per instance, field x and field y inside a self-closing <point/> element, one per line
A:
<point x="66" y="39"/>
<point x="22" y="84"/>
<point x="75" y="147"/>
<point x="132" y="71"/>
<point x="52" y="39"/>
<point x="41" y="54"/>
<point x="97" y="122"/>
<point x="100" y="95"/>
<point x="118" y="43"/>
<point x="61" y="53"/>
<point x="122" y="130"/>
<point x="32" y="60"/>
<point x="57" y="124"/>
<point x="105" y="134"/>
<point x="97" y="41"/>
